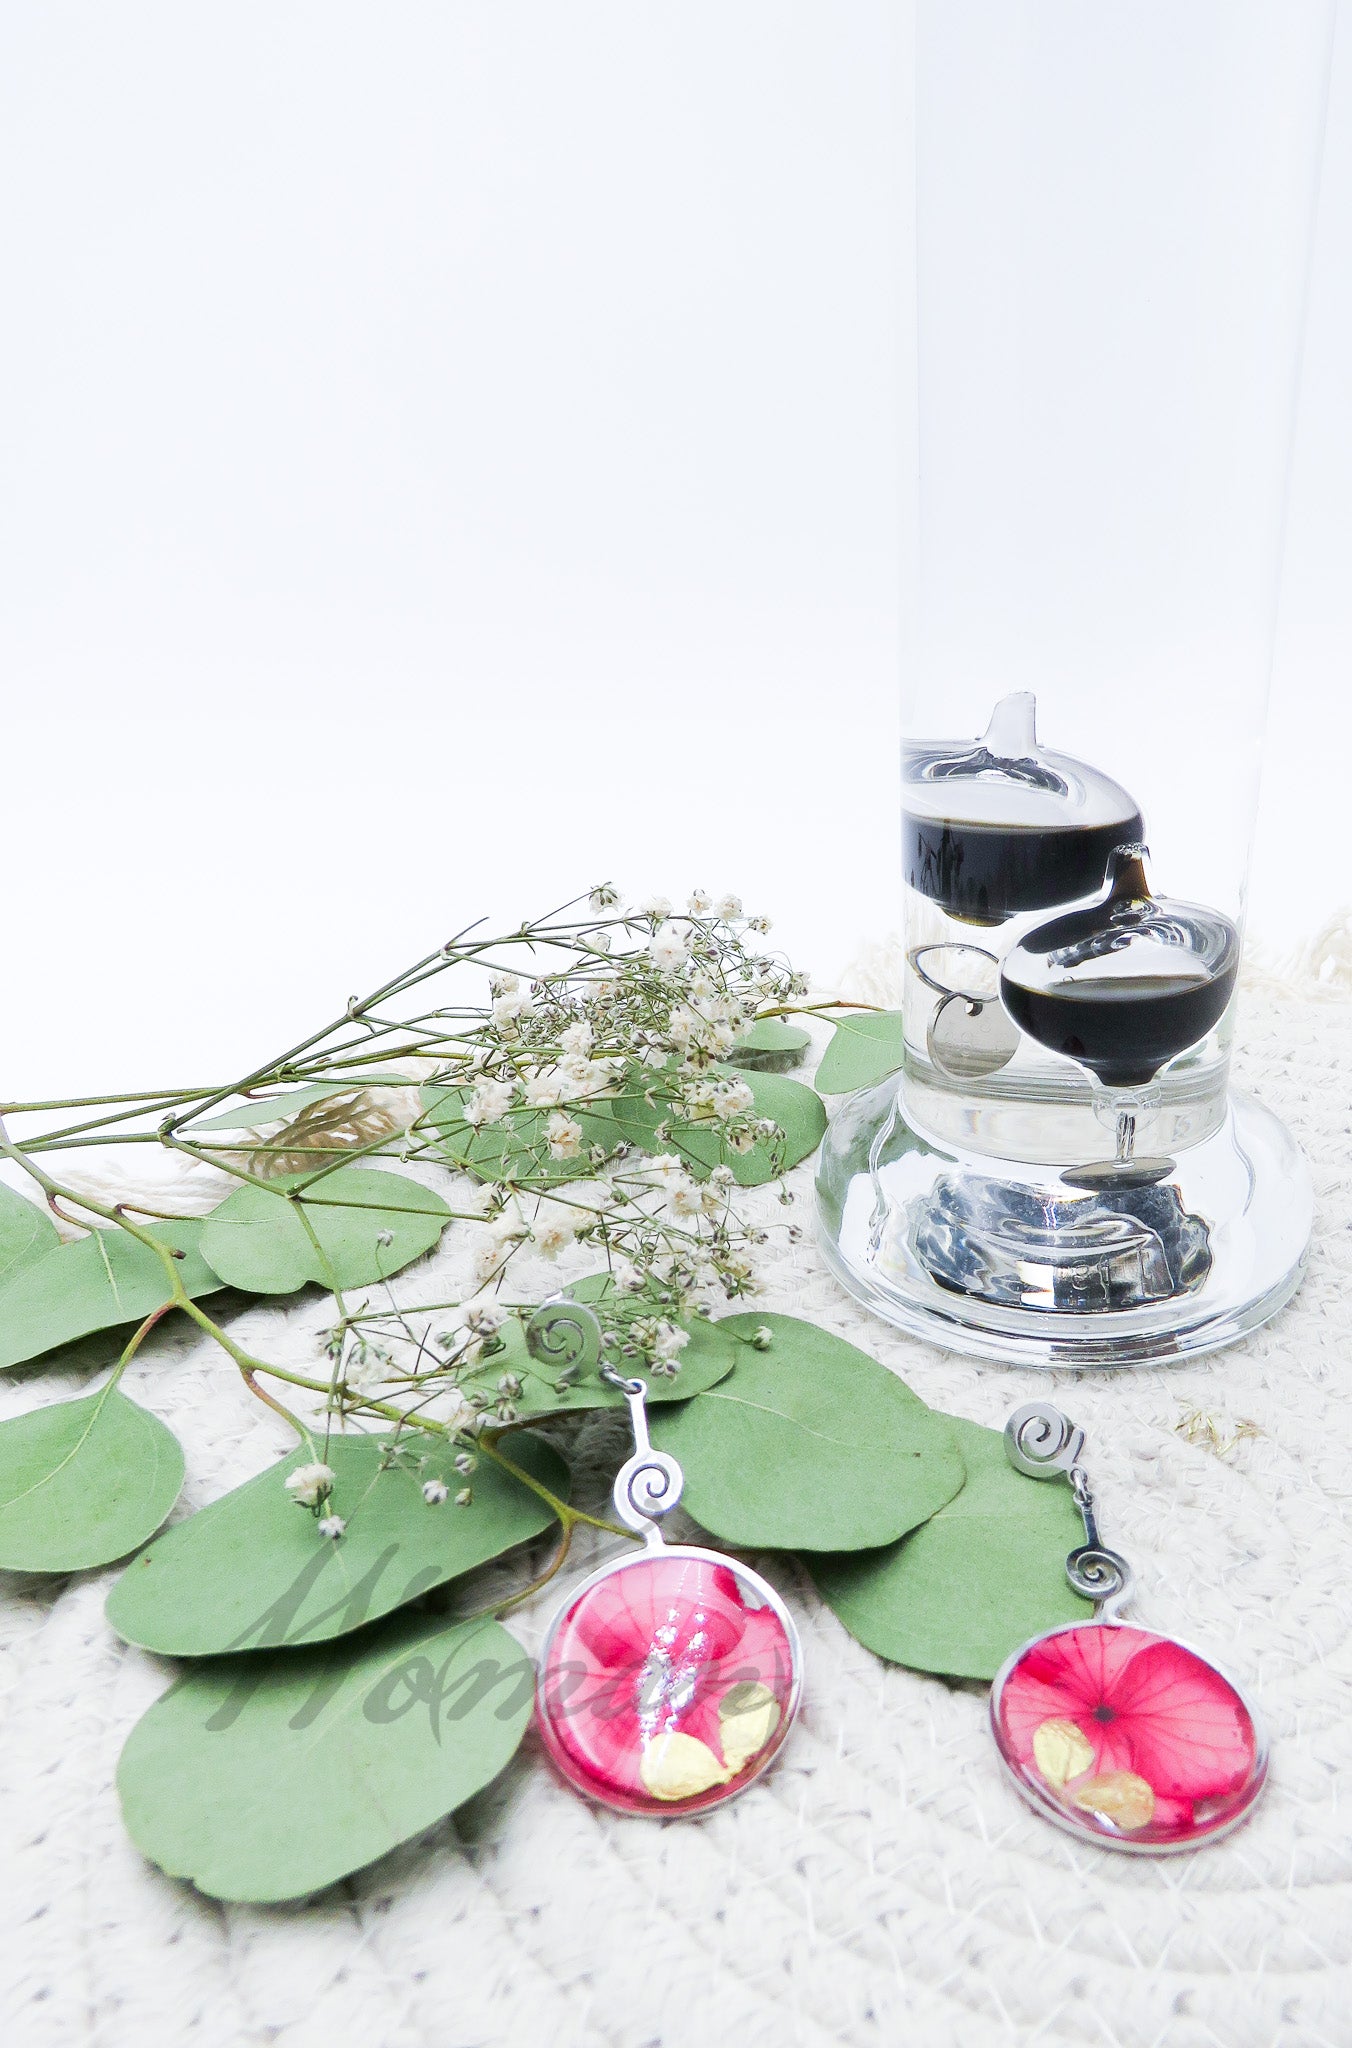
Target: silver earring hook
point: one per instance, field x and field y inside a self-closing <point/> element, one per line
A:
<point x="648" y="1485"/>
<point x="1042" y="1443"/>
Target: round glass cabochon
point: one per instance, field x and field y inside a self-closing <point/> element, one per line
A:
<point x="1127" y="1738"/>
<point x="668" y="1682"/>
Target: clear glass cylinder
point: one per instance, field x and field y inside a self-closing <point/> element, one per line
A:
<point x="1114" y="212"/>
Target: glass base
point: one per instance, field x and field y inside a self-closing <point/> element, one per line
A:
<point x="1013" y="1262"/>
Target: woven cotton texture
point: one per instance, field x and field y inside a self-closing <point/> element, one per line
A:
<point x="883" y="1884"/>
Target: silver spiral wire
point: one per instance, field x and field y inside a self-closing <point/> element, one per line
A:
<point x="1041" y="1442"/>
<point x="1100" y="1575"/>
<point x="648" y="1484"/>
<point x="565" y="1334"/>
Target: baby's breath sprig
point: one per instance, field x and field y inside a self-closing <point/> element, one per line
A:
<point x="586" y="1072"/>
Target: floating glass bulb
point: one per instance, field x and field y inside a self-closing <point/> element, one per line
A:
<point x="1000" y="826"/>
<point x="1123" y="988"/>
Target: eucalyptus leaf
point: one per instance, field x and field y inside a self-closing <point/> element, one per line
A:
<point x="708" y="1358"/>
<point x="270" y="1109"/>
<point x="257" y="1239"/>
<point x="809" y="1445"/>
<point x="26" y="1232"/>
<point x="515" y="1149"/>
<point x="251" y="1571"/>
<point x="865" y="1049"/>
<point x="771" y="1046"/>
<point x="798" y="1110"/>
<point x="982" y="1576"/>
<point x="267" y="1778"/>
<point x="96" y="1283"/>
<point x="83" y="1482"/>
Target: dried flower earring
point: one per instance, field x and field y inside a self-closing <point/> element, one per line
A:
<point x="1129" y="1739"/>
<point x="669" y="1680"/>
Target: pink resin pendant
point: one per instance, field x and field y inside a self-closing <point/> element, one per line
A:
<point x="1125" y="1738"/>
<point x="670" y="1679"/>
<point x="668" y="1682"/>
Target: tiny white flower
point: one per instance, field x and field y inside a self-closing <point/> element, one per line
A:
<point x="628" y="1279"/>
<point x="554" y="1228"/>
<point x="667" y="1167"/>
<point x="684" y="1196"/>
<point x="604" y="897"/>
<point x="484" y="1318"/>
<point x="682" y="1026"/>
<point x="363" y="1376"/>
<point x="564" y="1135"/>
<point x="489" y="1102"/>
<point x="309" y="1484"/>
<point x="544" y="1089"/>
<point x="722" y="1178"/>
<point x="728" y="907"/>
<point x="331" y="1526"/>
<point x="577" y="1038"/>
<point x="434" y="1492"/>
<point x="655" y="907"/>
<point x="669" y="948"/>
<point x="670" y="1341"/>
<point x="578" y="1076"/>
<point x="698" y="901"/>
<point x="489" y="1260"/>
<point x="732" y="1098"/>
<point x="458" y="1414"/>
<point x="758" y="924"/>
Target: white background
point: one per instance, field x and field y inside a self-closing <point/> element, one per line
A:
<point x="451" y="454"/>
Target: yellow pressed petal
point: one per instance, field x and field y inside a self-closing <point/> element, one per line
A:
<point x="679" y="1766"/>
<point x="748" y="1716"/>
<point x="1120" y="1796"/>
<point x="1061" y="1751"/>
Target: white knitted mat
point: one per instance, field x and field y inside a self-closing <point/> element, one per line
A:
<point x="882" y="1885"/>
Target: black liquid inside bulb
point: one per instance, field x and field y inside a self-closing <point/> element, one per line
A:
<point x="1126" y="985"/>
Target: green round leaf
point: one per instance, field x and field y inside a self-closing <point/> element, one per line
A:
<point x="517" y="1149"/>
<point x="864" y="1051"/>
<point x="798" y="1110"/>
<point x="811" y="1445"/>
<point x="97" y="1283"/>
<point x="257" y="1239"/>
<point x="771" y="1046"/>
<point x="981" y="1577"/>
<point x="83" y="1482"/>
<point x="251" y="1570"/>
<point x="26" y="1232"/>
<point x="707" y="1358"/>
<point x="266" y="1778"/>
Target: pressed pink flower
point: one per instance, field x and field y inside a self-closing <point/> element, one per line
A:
<point x="1127" y="1720"/>
<point x="655" y="1651"/>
